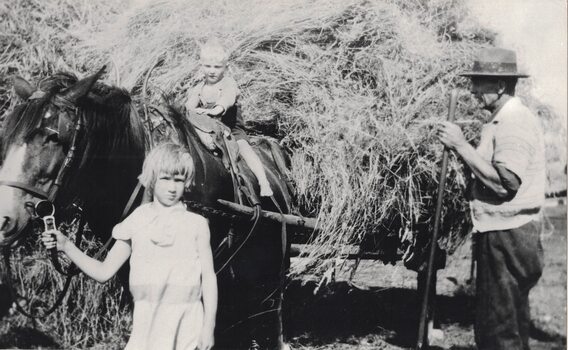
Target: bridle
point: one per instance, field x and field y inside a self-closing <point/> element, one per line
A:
<point x="69" y="131"/>
<point x="70" y="158"/>
<point x="48" y="198"/>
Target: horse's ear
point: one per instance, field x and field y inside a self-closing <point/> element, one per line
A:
<point x="81" y="88"/>
<point x="22" y="87"/>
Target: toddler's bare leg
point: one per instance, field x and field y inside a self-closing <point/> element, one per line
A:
<point x="254" y="163"/>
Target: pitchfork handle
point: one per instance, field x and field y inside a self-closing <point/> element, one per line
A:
<point x="422" y="341"/>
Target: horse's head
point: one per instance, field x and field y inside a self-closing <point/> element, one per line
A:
<point x="37" y="139"/>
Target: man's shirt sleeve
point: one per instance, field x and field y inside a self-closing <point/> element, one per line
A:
<point x="510" y="182"/>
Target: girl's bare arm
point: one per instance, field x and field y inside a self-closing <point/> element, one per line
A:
<point x="100" y="271"/>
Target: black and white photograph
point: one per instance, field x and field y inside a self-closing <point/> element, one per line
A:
<point x="283" y="174"/>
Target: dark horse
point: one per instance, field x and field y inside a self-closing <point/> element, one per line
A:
<point x="82" y="141"/>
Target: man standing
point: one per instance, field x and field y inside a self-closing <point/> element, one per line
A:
<point x="507" y="195"/>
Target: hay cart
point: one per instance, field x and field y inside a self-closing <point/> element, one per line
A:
<point x="426" y="277"/>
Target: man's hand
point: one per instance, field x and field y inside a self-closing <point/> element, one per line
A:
<point x="451" y="135"/>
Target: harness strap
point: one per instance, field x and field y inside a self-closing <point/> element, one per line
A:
<point x="283" y="231"/>
<point x="131" y="200"/>
<point x="125" y="212"/>
<point x="69" y="158"/>
<point x="23" y="186"/>
<point x="247" y="188"/>
<point x="284" y="242"/>
<point x="247" y="237"/>
<point x="234" y="171"/>
<point x="277" y="155"/>
<point x="237" y="197"/>
<point x="67" y="163"/>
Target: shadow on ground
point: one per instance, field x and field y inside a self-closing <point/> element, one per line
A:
<point x="340" y="312"/>
<point x="27" y="338"/>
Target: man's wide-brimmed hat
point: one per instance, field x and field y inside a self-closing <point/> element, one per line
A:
<point x="495" y="62"/>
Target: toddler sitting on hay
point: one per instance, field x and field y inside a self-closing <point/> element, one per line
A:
<point x="216" y="96"/>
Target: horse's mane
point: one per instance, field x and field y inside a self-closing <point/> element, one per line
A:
<point x="176" y="115"/>
<point x="112" y="123"/>
<point x="109" y="116"/>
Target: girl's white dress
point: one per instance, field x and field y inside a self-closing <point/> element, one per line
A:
<point x="165" y="276"/>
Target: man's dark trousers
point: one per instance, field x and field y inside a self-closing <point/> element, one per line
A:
<point x="509" y="264"/>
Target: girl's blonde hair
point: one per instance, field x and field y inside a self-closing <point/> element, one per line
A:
<point x="168" y="158"/>
<point x="213" y="49"/>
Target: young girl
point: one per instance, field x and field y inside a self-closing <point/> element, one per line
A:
<point x="172" y="279"/>
<point x="217" y="97"/>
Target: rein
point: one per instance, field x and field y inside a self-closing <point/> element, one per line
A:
<point x="14" y="295"/>
<point x="70" y="273"/>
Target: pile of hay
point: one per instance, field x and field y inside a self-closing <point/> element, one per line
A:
<point x="353" y="88"/>
<point x="38" y="38"/>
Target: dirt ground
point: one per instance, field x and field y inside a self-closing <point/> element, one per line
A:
<point x="380" y="309"/>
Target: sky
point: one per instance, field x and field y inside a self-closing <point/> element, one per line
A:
<point x="536" y="30"/>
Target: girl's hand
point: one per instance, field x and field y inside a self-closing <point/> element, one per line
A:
<point x="54" y="239"/>
<point x="201" y="111"/>
<point x="207" y="339"/>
